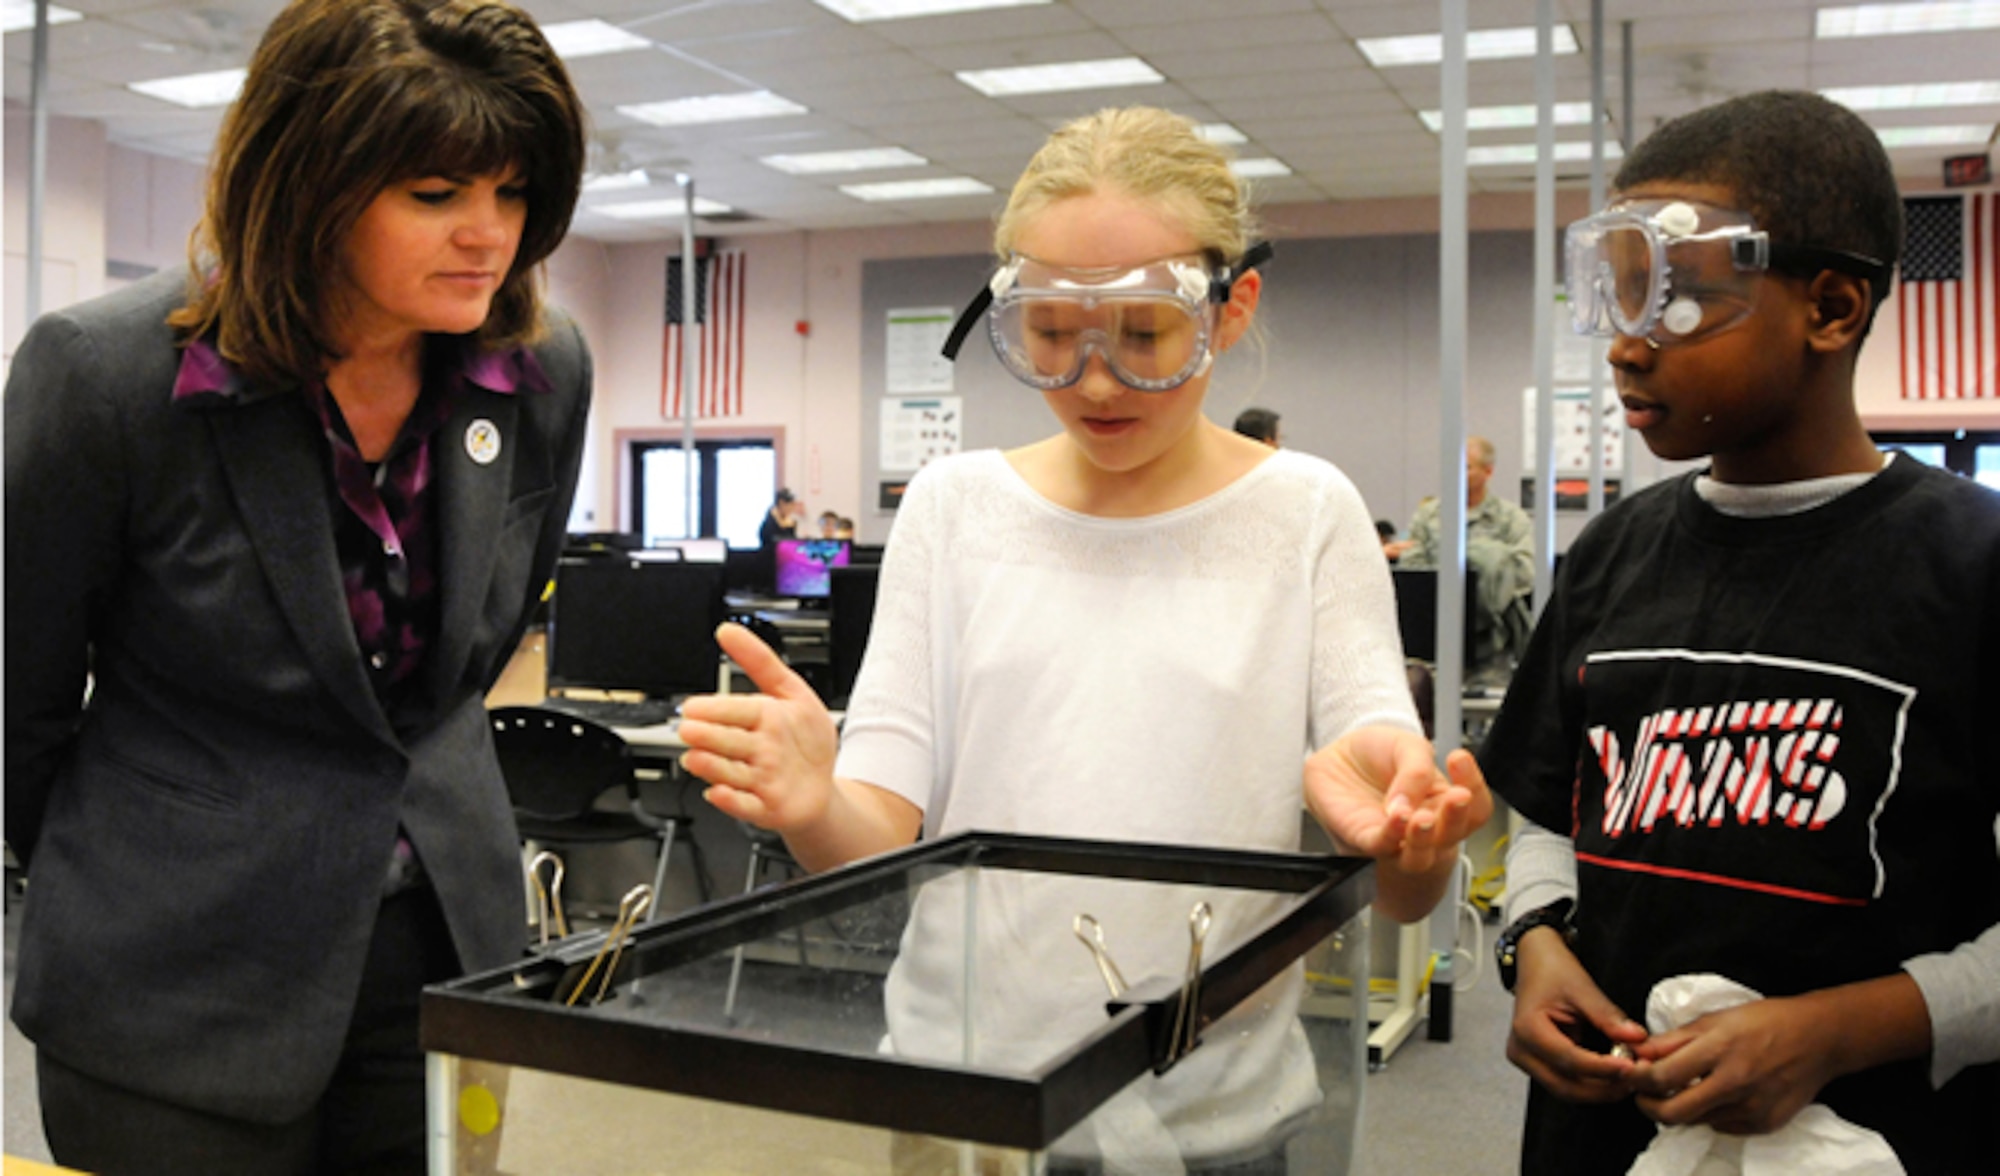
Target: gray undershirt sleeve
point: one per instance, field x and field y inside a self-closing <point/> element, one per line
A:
<point x="1962" y="990"/>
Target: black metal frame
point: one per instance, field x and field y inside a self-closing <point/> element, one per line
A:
<point x="513" y="1016"/>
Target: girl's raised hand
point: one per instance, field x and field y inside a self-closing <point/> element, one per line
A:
<point x="767" y="757"/>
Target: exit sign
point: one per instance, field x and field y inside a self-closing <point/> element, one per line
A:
<point x="1968" y="171"/>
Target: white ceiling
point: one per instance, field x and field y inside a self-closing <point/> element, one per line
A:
<point x="1285" y="72"/>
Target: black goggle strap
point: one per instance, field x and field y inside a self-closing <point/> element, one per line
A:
<point x="1758" y="252"/>
<point x="1218" y="291"/>
<point x="1253" y="257"/>
<point x="966" y="321"/>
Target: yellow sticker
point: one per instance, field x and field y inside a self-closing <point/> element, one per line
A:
<point x="478" y="1110"/>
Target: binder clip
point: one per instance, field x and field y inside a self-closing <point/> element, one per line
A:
<point x="630" y="909"/>
<point x="548" y="900"/>
<point x="1092" y="935"/>
<point x="1187" y="1016"/>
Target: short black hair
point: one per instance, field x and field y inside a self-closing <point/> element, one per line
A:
<point x="1807" y="168"/>
<point x="1258" y="423"/>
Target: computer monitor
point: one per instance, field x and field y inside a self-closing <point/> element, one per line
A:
<point x="709" y="550"/>
<point x="805" y="566"/>
<point x="749" y="569"/>
<point x="635" y="625"/>
<point x="1417" y="610"/>
<point x="851" y="613"/>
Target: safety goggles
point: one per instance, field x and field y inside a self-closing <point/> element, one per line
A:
<point x="1676" y="271"/>
<point x="1152" y="324"/>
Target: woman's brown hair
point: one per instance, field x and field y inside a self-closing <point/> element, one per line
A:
<point x="344" y="98"/>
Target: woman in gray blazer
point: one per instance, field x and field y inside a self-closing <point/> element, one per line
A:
<point x="273" y="527"/>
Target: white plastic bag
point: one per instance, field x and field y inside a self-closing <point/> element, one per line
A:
<point x="1816" y="1142"/>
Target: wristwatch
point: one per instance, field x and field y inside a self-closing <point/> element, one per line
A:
<point x="1506" y="949"/>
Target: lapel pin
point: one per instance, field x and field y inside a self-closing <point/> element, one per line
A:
<point x="482" y="441"/>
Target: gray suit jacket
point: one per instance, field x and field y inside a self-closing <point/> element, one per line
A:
<point x="207" y="839"/>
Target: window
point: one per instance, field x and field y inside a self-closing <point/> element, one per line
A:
<point x="732" y="487"/>
<point x="1973" y="453"/>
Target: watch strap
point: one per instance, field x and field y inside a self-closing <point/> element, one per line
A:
<point x="1506" y="949"/>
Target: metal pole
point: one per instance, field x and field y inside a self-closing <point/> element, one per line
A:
<point x="1453" y="269"/>
<point x="1452" y="298"/>
<point x="1597" y="113"/>
<point x="1544" y="472"/>
<point x="38" y="157"/>
<point x="1628" y="138"/>
<point x="690" y="365"/>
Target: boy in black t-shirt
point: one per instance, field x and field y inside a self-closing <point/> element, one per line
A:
<point x="1752" y="729"/>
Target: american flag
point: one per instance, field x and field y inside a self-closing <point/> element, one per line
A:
<point x="718" y="337"/>
<point x="1947" y="305"/>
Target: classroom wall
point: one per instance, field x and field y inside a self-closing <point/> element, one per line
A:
<point x="1349" y="353"/>
<point x="74" y="217"/>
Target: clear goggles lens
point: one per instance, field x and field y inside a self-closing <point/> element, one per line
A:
<point x="1151" y="324"/>
<point x="1671" y="271"/>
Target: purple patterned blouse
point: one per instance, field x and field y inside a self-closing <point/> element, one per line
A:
<point x="386" y="537"/>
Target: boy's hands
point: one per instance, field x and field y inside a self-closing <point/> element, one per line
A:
<point x="768" y="757"/>
<point x="1744" y="1071"/>
<point x="1747" y="1070"/>
<point x="1555" y="1002"/>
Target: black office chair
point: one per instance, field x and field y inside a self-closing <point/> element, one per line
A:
<point x="558" y="765"/>
<point x="767" y="849"/>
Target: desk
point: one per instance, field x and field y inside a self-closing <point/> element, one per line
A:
<point x="789" y="621"/>
<point x="658" y="746"/>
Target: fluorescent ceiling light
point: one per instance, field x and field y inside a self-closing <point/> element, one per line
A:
<point x="1487" y="118"/>
<point x="866" y="10"/>
<point x="713" y="108"/>
<point x="659" y="209"/>
<point x="16" y="15"/>
<point x="1933" y="136"/>
<point x="1257" y="169"/>
<point x="195" y="90"/>
<point x="1877" y="20"/>
<point x="588" y="38"/>
<point x="1911" y="97"/>
<point x="917" y="189"/>
<point x="1222" y="133"/>
<point x="821" y="162"/>
<point x="617" y="181"/>
<point x="1525" y="153"/>
<point x="1483" y="45"/>
<point x="1069" y="75"/>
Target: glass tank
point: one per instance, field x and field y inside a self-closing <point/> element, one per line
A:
<point x="984" y="1003"/>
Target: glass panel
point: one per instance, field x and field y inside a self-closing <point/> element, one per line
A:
<point x="516" y="1121"/>
<point x="745" y="478"/>
<point x="663" y="494"/>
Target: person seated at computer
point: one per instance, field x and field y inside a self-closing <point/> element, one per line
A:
<point x="829" y="524"/>
<point x="782" y="520"/>
<point x="1259" y="424"/>
<point x="1498" y="546"/>
<point x="844" y="528"/>
<point x="1392" y="547"/>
